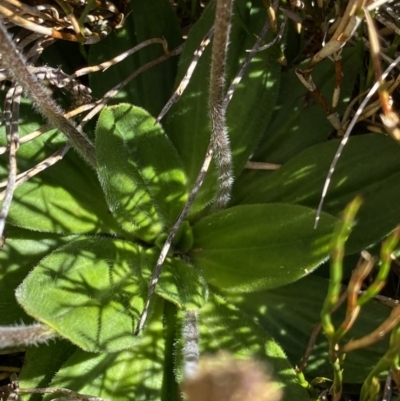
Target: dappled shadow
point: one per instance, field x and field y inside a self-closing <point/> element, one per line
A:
<point x="289" y="314"/>
<point x="94" y="292"/>
<point x="225" y="327"/>
<point x="22" y="250"/>
<point x="368" y="166"/>
<point x="142" y="177"/>
<point x="134" y="374"/>
<point x="64" y="198"/>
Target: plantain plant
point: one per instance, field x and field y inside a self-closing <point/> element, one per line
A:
<point x="81" y="243"/>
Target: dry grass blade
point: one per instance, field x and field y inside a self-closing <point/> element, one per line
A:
<point x="363" y="269"/>
<point x="42" y="130"/>
<point x="186" y="79"/>
<point x="26" y="175"/>
<point x="346" y="138"/>
<point x="246" y="63"/>
<point x="45" y="105"/>
<point x="86" y="21"/>
<point x="262" y="166"/>
<point x="119" y="58"/>
<point x="112" y="92"/>
<point x="11" y="119"/>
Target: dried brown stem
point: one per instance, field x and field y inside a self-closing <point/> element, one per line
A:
<point x="376" y="335"/>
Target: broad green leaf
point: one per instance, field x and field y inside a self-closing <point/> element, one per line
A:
<point x="22" y="250"/>
<point x="41" y="363"/>
<point x="369" y="166"/>
<point x="135" y="374"/>
<point x="64" y="198"/>
<point x="139" y="170"/>
<point x="252" y="247"/>
<point x="103" y="283"/>
<point x="187" y="123"/>
<point x="151" y="89"/>
<point x="93" y="291"/>
<point x="298" y="121"/>
<point x="290" y="313"/>
<point x="224" y="327"/>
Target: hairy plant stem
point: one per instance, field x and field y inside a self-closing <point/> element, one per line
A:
<point x="219" y="131"/>
<point x="15" y="336"/>
<point x="14" y="61"/>
<point x="219" y="143"/>
<point x="190" y="336"/>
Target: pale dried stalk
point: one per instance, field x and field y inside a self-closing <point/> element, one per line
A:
<point x="245" y="65"/>
<point x="250" y="165"/>
<point x="277" y="38"/>
<point x="171" y="236"/>
<point x="45" y="105"/>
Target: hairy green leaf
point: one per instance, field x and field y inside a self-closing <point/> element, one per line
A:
<point x="369" y="166"/>
<point x="298" y="121"/>
<point x="250" y="247"/>
<point x="22" y="250"/>
<point x="64" y="198"/>
<point x="139" y="170"/>
<point x="134" y="374"/>
<point x="93" y="291"/>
